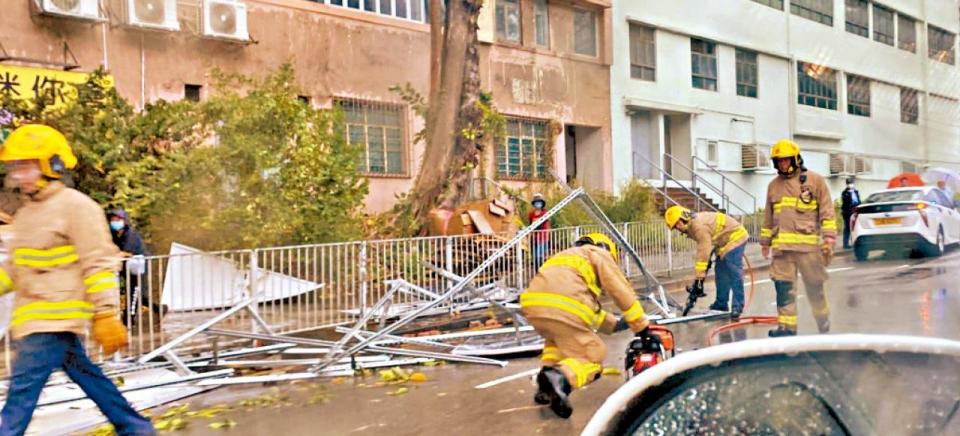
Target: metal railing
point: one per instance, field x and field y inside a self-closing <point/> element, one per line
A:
<point x="664" y="177"/>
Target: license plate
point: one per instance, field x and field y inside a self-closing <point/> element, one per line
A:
<point x="888" y="221"/>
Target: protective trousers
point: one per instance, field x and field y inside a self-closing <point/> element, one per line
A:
<point x="576" y="351"/>
<point x="783" y="271"/>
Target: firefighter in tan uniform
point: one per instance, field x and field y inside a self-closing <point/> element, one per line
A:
<point x="800" y="227"/>
<point x="718" y="233"/>
<point x="563" y="305"/>
<point x="62" y="271"/>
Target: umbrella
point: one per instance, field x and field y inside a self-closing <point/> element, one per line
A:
<point x="950" y="178"/>
<point x="905" y="180"/>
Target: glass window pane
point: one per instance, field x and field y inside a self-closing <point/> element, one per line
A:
<point x="401" y="8"/>
<point x="906" y="33"/>
<point x="585" y="32"/>
<point x="542" y="22"/>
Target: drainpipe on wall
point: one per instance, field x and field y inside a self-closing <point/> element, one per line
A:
<point x="143" y="75"/>
<point x="925" y="80"/>
<point x="106" y="57"/>
<point x="792" y="81"/>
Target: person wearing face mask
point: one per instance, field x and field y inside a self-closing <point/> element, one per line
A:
<point x="62" y="271"/>
<point x="849" y="200"/>
<point x="541" y="237"/>
<point x="131" y="246"/>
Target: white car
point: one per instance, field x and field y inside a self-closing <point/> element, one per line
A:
<point x="920" y="220"/>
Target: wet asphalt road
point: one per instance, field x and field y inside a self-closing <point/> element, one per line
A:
<point x="890" y="296"/>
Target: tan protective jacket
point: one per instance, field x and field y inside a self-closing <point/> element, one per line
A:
<point x="714" y="230"/>
<point x="62" y="263"/>
<point x="797" y="215"/>
<point x="568" y="286"/>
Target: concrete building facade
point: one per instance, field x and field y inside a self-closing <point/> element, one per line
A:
<point x="546" y="63"/>
<point x="867" y="88"/>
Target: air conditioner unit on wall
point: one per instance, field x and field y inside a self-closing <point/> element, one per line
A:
<point x="153" y="14"/>
<point x="755" y="157"/>
<point x="841" y="164"/>
<point x="83" y="9"/>
<point x="225" y="19"/>
<point x="862" y="165"/>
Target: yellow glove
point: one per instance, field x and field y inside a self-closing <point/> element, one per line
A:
<point x="827" y="250"/>
<point x="109" y="332"/>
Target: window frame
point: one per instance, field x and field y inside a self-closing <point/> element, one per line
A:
<point x="501" y="27"/>
<point x="805" y="98"/>
<point x="932" y="52"/>
<point x="809" y="11"/>
<point x="770" y="3"/>
<point x="858" y="107"/>
<point x="704" y="80"/>
<point x="594" y="38"/>
<point x="364" y="167"/>
<point x="907" y="116"/>
<point x="857" y="28"/>
<point x="541" y="11"/>
<point x="882" y="37"/>
<point x="540" y="146"/>
<point x="746" y="63"/>
<point x="901" y="44"/>
<point x="637" y="63"/>
<point x="387" y="8"/>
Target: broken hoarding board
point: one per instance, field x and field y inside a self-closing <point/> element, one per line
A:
<point x="197" y="280"/>
<point x="459" y="286"/>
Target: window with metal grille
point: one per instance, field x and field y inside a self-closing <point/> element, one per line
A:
<point x="906" y="33"/>
<point x="379" y="127"/>
<point x="508" y="20"/>
<point x="585" y="32"/>
<point x="541" y="21"/>
<point x="414" y="10"/>
<point x="747" y="73"/>
<point x="882" y="25"/>
<point x="858" y="17"/>
<point x="776" y="4"/>
<point x="909" y="106"/>
<point x="820" y="11"/>
<point x="858" y="95"/>
<point x="941" y="45"/>
<point x="703" y="62"/>
<point x="643" y="52"/>
<point x="816" y="86"/>
<point x="521" y="154"/>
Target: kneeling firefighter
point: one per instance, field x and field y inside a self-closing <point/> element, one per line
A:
<point x="799" y="226"/>
<point x="718" y="233"/>
<point x="563" y="305"/>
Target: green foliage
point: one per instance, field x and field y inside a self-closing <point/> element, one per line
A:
<point x="635" y="203"/>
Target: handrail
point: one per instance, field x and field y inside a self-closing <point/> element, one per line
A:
<point x="695" y="176"/>
<point x="664" y="173"/>
<point x="727" y="179"/>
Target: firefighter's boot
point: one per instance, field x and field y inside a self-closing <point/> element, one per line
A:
<point x="554" y="384"/>
<point x="780" y="332"/>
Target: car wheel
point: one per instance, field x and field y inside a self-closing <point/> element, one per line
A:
<point x="936" y="250"/>
<point x="860" y="253"/>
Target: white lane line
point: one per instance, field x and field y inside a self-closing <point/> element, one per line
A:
<point x="903" y="266"/>
<point x="492" y="383"/>
<point x="757" y="282"/>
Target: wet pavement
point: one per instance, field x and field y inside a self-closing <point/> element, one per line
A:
<point x="886" y="295"/>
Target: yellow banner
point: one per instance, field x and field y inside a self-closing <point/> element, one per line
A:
<point x="33" y="84"/>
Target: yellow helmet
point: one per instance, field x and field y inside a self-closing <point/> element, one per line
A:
<point x="675" y="214"/>
<point x="784" y="148"/>
<point x="600" y="240"/>
<point x="42" y="143"/>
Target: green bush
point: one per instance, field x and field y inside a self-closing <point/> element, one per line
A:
<point x="635" y="203"/>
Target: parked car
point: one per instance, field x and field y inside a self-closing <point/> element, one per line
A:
<point x="824" y="384"/>
<point x="921" y="220"/>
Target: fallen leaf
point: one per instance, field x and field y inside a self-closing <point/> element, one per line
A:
<point x="418" y="377"/>
<point x="433" y="363"/>
<point x="338" y="381"/>
<point x="223" y="424"/>
<point x="611" y="371"/>
<point x="400" y="391"/>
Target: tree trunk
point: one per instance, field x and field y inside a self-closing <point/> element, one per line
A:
<point x="436" y="47"/>
<point x="445" y="170"/>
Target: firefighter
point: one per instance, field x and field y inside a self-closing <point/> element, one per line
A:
<point x="800" y="228"/>
<point x="563" y="305"/>
<point x="715" y="232"/>
<point x="63" y="274"/>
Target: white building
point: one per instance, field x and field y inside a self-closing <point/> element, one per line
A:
<point x="865" y="87"/>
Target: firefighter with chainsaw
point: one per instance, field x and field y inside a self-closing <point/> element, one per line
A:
<point x="800" y="228"/>
<point x="714" y="232"/>
<point x="63" y="274"/>
<point x="563" y="305"/>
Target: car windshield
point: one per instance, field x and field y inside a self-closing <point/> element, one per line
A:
<point x="887" y="196"/>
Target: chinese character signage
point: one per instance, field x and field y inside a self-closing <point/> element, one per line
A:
<point x="33" y="84"/>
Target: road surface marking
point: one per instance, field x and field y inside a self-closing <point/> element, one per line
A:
<point x="517" y="409"/>
<point x="757" y="282"/>
<point x="507" y="378"/>
<point x="903" y="266"/>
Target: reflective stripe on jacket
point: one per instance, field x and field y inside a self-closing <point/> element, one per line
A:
<point x="797" y="215"/>
<point x="62" y="263"/>
<point x="568" y="287"/>
<point x="714" y="231"/>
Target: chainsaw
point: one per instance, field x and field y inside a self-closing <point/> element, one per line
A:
<point x="695" y="290"/>
<point x="648" y="349"/>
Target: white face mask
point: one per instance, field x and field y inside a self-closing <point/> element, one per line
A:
<point x="850" y="185"/>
